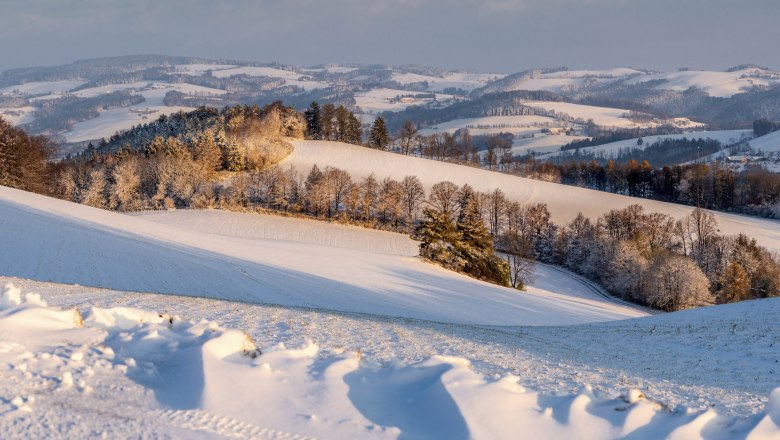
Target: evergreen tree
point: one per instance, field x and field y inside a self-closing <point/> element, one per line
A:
<point x="233" y="157"/>
<point x="354" y="130"/>
<point x="379" y="138"/>
<point x="207" y="153"/>
<point x="313" y="123"/>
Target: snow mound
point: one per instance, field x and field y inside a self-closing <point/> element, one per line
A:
<point x="200" y="371"/>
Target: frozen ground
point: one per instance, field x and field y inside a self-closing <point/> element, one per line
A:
<point x="564" y="202"/>
<point x="705" y="373"/>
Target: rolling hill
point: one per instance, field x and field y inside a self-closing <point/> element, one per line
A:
<point x="227" y="256"/>
<point x="564" y="202"/>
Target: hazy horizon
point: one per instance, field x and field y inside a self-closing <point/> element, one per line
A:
<point x="489" y="35"/>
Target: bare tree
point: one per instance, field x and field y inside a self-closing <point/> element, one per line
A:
<point x="413" y="197"/>
<point x="444" y="198"/>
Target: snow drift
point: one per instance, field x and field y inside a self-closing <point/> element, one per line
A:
<point x="194" y="369"/>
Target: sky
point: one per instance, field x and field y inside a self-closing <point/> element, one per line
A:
<point x="483" y="35"/>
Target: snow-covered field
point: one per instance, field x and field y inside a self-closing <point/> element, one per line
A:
<point x="563" y="81"/>
<point x="169" y="371"/>
<point x="769" y="143"/>
<point x="381" y="100"/>
<point x="357" y="339"/>
<point x="716" y="84"/>
<point x="725" y="137"/>
<point x="494" y="124"/>
<point x="70" y="243"/>
<point x="520" y="126"/>
<point x="17" y="115"/>
<point x="41" y="88"/>
<point x="542" y="143"/>
<point x="604" y="116"/>
<point x="465" y="81"/>
<point x="112" y="121"/>
<point x="564" y="202"/>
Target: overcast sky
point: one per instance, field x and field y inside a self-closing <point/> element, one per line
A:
<point x="485" y="35"/>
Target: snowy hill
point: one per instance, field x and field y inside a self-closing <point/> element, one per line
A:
<point x="564" y="202"/>
<point x="715" y="84"/>
<point x="374" y="273"/>
<point x="725" y="137"/>
<point x="559" y="81"/>
<point x="769" y="143"/>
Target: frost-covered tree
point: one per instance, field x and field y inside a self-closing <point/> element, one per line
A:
<point x="94" y="192"/>
<point x="390" y="201"/>
<point x="677" y="283"/>
<point x="520" y="256"/>
<point x="207" y="153"/>
<point x="734" y="284"/>
<point x="125" y="189"/>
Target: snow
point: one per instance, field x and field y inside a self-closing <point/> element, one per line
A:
<point x="769" y="143"/>
<point x="725" y="137"/>
<point x="200" y="69"/>
<point x="41" y="88"/>
<point x="334" y="68"/>
<point x="465" y="81"/>
<point x="165" y="376"/>
<point x="18" y="115"/>
<point x="494" y="124"/>
<point x="258" y="71"/>
<point x="378" y="100"/>
<point x="716" y="84"/>
<point x="542" y="143"/>
<point x="290" y="77"/>
<point x="564" y="202"/>
<point x="70" y="243"/>
<point x="150" y="89"/>
<point x="567" y="80"/>
<point x="112" y="121"/>
<point x="604" y="116"/>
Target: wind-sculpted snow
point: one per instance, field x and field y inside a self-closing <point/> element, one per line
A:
<point x="564" y="202"/>
<point x="126" y="371"/>
<point x="65" y="242"/>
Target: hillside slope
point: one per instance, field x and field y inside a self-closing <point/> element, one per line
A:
<point x="564" y="202"/>
<point x="52" y="240"/>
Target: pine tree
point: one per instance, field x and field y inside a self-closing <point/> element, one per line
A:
<point x="233" y="157"/>
<point x="207" y="153"/>
<point x="378" y="137"/>
<point x="354" y="130"/>
<point x="313" y="123"/>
